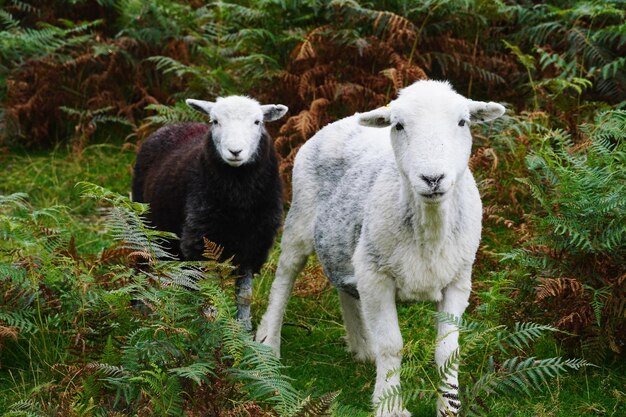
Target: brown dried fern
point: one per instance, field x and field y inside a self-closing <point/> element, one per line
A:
<point x="8" y="332"/>
<point x="212" y="251"/>
<point x="38" y="89"/>
<point x="114" y="255"/>
<point x="295" y="132"/>
<point x="558" y="287"/>
<point x="317" y="407"/>
<point x="312" y="282"/>
<point x="392" y="23"/>
<point x="249" y="409"/>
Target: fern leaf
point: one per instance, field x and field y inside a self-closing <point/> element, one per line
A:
<point x="170" y="115"/>
<point x="198" y="372"/>
<point x="523" y="334"/>
<point x="212" y="251"/>
<point x="316" y="407"/>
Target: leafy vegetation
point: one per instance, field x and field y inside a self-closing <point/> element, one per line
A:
<point x="82" y="82"/>
<point x="501" y="372"/>
<point x="70" y="317"/>
<point x="578" y="254"/>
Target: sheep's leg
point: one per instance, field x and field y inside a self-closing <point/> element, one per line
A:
<point x="243" y="287"/>
<point x="378" y="298"/>
<point x="455" y="300"/>
<point x="294" y="253"/>
<point x="356" y="333"/>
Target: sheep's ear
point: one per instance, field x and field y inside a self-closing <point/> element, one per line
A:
<point x="483" y="112"/>
<point x="381" y="117"/>
<point x="200" y="105"/>
<point x="273" y="112"/>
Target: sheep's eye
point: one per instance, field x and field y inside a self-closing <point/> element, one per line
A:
<point x="257" y="122"/>
<point x="214" y="122"/>
<point x="399" y="126"/>
<point x="462" y="122"/>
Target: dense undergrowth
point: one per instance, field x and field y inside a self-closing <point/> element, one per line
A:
<point x="127" y="331"/>
<point x="70" y="316"/>
<point x="90" y="79"/>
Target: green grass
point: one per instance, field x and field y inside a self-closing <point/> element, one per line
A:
<point x="50" y="177"/>
<point x="312" y="346"/>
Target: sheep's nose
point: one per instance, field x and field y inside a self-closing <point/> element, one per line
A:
<point x="235" y="153"/>
<point x="432" y="181"/>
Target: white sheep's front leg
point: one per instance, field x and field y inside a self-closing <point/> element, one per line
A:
<point x="378" y="300"/>
<point x="243" y="287"/>
<point x="454" y="302"/>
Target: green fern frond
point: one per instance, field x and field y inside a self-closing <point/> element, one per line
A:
<point x="97" y="192"/>
<point x="598" y="301"/>
<point x="14" y="273"/>
<point x="342" y="410"/>
<point x="236" y="340"/>
<point x="95" y="117"/>
<point x="316" y="407"/>
<point x="165" y="393"/>
<point x="583" y="183"/>
<point x="396" y="396"/>
<point x="24" y="408"/>
<point x="216" y="300"/>
<point x="100" y="119"/>
<point x="109" y="370"/>
<point x="247" y="14"/>
<point x="539" y="33"/>
<point x="169" y="65"/>
<point x="181" y="112"/>
<point x="126" y="226"/>
<point x="611" y="69"/>
<point x="23" y="320"/>
<point x="259" y="371"/>
<point x="198" y="372"/>
<point x="530" y="373"/>
<point x="450" y="367"/>
<point x="14" y="201"/>
<point x="8" y="20"/>
<point x="523" y="335"/>
<point x="246" y="35"/>
<point x="522" y="375"/>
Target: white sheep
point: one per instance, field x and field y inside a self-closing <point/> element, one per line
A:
<point x="388" y="203"/>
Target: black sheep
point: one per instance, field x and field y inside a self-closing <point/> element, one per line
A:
<point x="218" y="181"/>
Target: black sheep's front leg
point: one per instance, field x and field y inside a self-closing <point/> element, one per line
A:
<point x="199" y="224"/>
<point x="192" y="247"/>
<point x="191" y="240"/>
<point x="243" y="287"/>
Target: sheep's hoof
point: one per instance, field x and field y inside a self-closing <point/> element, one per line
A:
<point x="363" y="355"/>
<point x="361" y="352"/>
<point x="448" y="405"/>
<point x="447" y="412"/>
<point x="247" y="325"/>
<point x="263" y="338"/>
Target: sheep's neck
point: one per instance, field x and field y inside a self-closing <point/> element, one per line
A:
<point x="430" y="223"/>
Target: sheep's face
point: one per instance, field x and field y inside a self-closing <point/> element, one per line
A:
<point x="237" y="125"/>
<point x="430" y="135"/>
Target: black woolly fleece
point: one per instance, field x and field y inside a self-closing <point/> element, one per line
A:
<point x="192" y="192"/>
